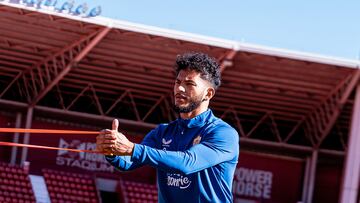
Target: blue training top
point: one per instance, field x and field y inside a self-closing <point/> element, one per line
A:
<point x="195" y="159"/>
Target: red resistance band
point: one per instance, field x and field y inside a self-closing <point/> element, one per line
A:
<point x="48" y="131"/>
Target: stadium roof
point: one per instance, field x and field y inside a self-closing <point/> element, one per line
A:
<point x="112" y="68"/>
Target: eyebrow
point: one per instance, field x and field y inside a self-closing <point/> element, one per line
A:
<point x="190" y="81"/>
<point x="185" y="80"/>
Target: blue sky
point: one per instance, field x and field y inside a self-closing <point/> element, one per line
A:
<point x="327" y="27"/>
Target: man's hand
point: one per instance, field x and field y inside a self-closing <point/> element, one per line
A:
<point x="111" y="142"/>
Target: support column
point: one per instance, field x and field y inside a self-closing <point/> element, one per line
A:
<point x="306" y="179"/>
<point x="312" y="175"/>
<point x="16" y="138"/>
<point x="29" y="117"/>
<point x="350" y="184"/>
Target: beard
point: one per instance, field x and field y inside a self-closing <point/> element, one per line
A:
<point x="193" y="104"/>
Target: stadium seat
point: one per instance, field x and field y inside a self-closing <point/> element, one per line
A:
<point x="15" y="184"/>
<point x="137" y="192"/>
<point x="70" y="187"/>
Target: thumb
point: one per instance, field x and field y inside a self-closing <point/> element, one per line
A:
<point x="115" y="124"/>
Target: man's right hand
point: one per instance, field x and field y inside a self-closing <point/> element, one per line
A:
<point x="111" y="142"/>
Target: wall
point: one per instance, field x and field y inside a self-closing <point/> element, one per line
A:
<point x="267" y="179"/>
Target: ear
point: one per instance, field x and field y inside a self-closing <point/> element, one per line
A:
<point x="210" y="92"/>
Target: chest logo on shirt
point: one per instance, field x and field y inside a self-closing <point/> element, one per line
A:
<point x="166" y="143"/>
<point x="178" y="180"/>
<point x="197" y="140"/>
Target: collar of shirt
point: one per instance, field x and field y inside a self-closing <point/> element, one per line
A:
<point x="198" y="120"/>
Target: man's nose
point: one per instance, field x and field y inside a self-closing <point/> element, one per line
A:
<point x="181" y="88"/>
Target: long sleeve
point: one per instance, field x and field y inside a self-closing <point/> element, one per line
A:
<point x="124" y="163"/>
<point x="217" y="146"/>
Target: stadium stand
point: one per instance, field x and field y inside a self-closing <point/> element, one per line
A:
<point x="15" y="184"/>
<point x="295" y="110"/>
<point x="70" y="187"/>
<point x="136" y="192"/>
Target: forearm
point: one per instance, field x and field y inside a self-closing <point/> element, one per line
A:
<point x="123" y="163"/>
<point x="190" y="161"/>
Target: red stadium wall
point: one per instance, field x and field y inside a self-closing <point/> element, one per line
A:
<point x="267" y="179"/>
<point x="77" y="162"/>
<point x="6" y="121"/>
<point x="328" y="182"/>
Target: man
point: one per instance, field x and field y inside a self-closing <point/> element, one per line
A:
<point x="195" y="155"/>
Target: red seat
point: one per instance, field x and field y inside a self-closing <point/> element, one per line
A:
<point x="73" y="187"/>
<point x="15" y="185"/>
<point x="52" y="195"/>
<point x="58" y="177"/>
<point x="13" y="170"/>
<point x="7" y="199"/>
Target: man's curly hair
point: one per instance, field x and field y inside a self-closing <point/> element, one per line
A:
<point x="207" y="66"/>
